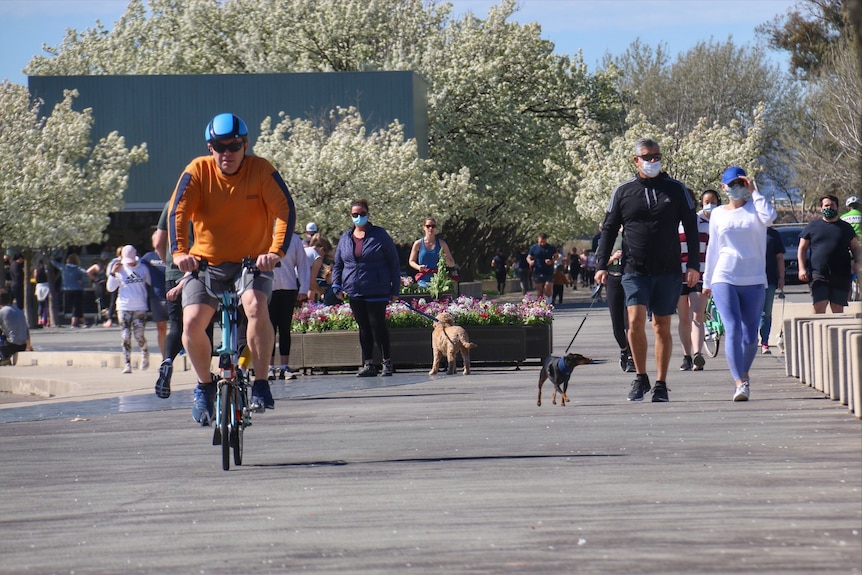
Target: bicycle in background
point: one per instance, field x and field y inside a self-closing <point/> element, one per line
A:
<point x="713" y="329"/>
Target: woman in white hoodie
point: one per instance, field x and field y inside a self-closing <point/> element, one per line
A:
<point x="131" y="279"/>
<point x="735" y="273"/>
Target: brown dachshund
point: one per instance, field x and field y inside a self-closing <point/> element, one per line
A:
<point x="559" y="370"/>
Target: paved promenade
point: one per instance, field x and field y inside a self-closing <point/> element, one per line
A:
<point x="444" y="474"/>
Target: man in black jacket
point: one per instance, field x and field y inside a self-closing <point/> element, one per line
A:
<point x="650" y="207"/>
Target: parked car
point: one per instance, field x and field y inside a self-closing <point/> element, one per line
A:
<point x="790" y="238"/>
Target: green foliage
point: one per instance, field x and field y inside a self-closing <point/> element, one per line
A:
<point x="440" y="282"/>
<point x="810" y="33"/>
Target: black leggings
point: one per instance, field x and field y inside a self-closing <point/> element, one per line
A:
<point x="617" y="307"/>
<point x="174" y="339"/>
<point x="371" y="318"/>
<point x="281" y="315"/>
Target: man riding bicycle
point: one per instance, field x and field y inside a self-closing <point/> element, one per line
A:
<point x="239" y="207"/>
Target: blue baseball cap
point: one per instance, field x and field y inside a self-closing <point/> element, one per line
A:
<point x="732" y="173"/>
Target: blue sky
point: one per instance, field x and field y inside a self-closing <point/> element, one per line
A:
<point x="592" y="26"/>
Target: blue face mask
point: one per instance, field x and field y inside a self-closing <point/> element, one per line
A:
<point x="360" y="220"/>
<point x="707" y="208"/>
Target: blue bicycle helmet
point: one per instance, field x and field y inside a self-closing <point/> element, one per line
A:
<point x="225" y="127"/>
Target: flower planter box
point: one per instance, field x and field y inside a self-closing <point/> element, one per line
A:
<point x="539" y="341"/>
<point x="330" y="349"/>
<point x="411" y="347"/>
<point x="505" y="341"/>
<point x="498" y="343"/>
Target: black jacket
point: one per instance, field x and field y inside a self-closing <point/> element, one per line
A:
<point x="650" y="211"/>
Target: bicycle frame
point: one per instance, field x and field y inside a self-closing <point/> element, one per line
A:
<point x="232" y="407"/>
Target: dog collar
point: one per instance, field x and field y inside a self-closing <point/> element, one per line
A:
<point x="561" y="365"/>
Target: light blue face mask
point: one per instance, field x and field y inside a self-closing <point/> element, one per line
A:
<point x="707" y="208"/>
<point x="737" y="192"/>
<point x="360" y="220"/>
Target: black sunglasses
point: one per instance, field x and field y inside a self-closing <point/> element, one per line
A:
<point x="650" y="157"/>
<point x="221" y="148"/>
<point x="358" y="215"/>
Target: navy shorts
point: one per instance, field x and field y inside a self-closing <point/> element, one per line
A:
<point x="542" y="278"/>
<point x="698" y="288"/>
<point x="659" y="293"/>
<point x="823" y="291"/>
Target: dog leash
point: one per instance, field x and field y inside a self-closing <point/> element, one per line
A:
<point x="420" y="312"/>
<point x="594" y="295"/>
<point x="432" y="318"/>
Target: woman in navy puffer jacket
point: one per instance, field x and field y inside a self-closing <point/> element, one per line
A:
<point x="367" y="271"/>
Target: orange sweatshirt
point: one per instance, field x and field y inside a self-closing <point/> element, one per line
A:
<point x="234" y="216"/>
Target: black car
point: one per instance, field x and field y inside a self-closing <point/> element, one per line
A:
<point x="790" y="238"/>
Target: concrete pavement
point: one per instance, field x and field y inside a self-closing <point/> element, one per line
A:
<point x="451" y="474"/>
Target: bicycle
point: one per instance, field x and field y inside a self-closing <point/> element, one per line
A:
<point x="232" y="408"/>
<point x="713" y="329"/>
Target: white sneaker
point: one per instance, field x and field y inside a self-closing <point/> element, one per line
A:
<point x="145" y="362"/>
<point x="742" y="392"/>
<point x="128" y="368"/>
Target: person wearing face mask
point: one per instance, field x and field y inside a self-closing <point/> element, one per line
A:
<point x="735" y="273"/>
<point x="829" y="270"/>
<point x="651" y="207"/>
<point x="692" y="303"/>
<point x="367" y="270"/>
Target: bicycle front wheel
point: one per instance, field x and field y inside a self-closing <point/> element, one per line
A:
<point x="225" y="405"/>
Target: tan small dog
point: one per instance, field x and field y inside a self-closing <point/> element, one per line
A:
<point x="449" y="339"/>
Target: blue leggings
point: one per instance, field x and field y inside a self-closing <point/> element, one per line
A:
<point x="740" y="308"/>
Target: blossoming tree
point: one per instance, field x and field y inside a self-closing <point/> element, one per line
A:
<point x="58" y="188"/>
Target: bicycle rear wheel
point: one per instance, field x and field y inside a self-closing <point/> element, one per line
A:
<point x="712" y="334"/>
<point x="236" y="432"/>
<point x="225" y="405"/>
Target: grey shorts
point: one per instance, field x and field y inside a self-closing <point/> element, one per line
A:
<point x="222" y="277"/>
<point x="659" y="293"/>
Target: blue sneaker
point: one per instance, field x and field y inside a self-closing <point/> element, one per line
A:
<point x="261" y="395"/>
<point x="204" y="405"/>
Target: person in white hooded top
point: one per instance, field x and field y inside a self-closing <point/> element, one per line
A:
<point x="131" y="279"/>
<point x="290" y="285"/>
<point x="735" y="273"/>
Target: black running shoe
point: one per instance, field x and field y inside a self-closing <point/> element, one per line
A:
<point x="624" y="358"/>
<point x="261" y="395"/>
<point x="659" y="392"/>
<point x="687" y="364"/>
<point x="640" y="386"/>
<point x="163" y="383"/>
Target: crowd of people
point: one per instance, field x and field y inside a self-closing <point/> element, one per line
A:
<point x="661" y="250"/>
